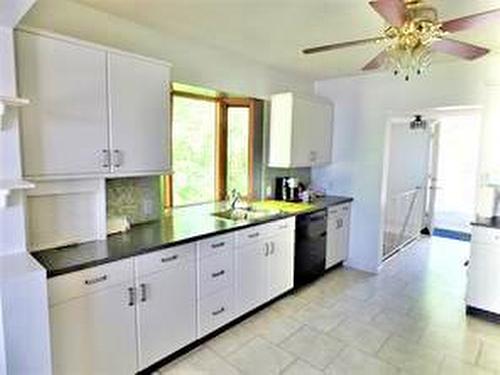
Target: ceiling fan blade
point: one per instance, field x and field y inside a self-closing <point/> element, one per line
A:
<point x="471" y="21"/>
<point x="376" y="62"/>
<point x="393" y="11"/>
<point x="460" y="49"/>
<point x="330" y="47"/>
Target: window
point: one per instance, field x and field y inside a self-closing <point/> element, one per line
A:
<point x="212" y="148"/>
<point x="193" y="150"/>
<point x="238" y="149"/>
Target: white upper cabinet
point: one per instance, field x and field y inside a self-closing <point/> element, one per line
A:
<point x="64" y="129"/>
<point x="139" y="115"/>
<point x="301" y="131"/>
<point x="94" y="111"/>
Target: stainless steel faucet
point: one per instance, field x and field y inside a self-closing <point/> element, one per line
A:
<point x="234" y="198"/>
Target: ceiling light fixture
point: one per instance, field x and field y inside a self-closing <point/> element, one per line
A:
<point x="414" y="33"/>
<point x="410" y="45"/>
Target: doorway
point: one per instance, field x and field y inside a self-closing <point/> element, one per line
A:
<point x="453" y="174"/>
<point x="406" y="169"/>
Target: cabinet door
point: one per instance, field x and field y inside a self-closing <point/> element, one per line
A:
<point x="252" y="276"/>
<point x="281" y="264"/>
<point x="64" y="129"/>
<point x="333" y="242"/>
<point x="345" y="224"/>
<point x="483" y="278"/>
<point x="337" y="240"/>
<point x="94" y="334"/>
<point x="139" y="100"/>
<point x="312" y="133"/>
<point x="166" y="308"/>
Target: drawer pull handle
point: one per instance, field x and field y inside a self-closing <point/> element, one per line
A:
<point x="217" y="245"/>
<point x="217" y="274"/>
<point x="131" y="296"/>
<point x="169" y="259"/>
<point x="253" y="235"/>
<point x="143" y="292"/>
<point x="96" y="280"/>
<point x="217" y="312"/>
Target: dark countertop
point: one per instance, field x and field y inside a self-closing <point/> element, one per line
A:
<point x="179" y="225"/>
<point x="490" y="222"/>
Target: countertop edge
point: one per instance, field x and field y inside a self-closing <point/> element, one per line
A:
<point x="194" y="238"/>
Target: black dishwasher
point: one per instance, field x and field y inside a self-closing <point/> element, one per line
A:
<point x="310" y="247"/>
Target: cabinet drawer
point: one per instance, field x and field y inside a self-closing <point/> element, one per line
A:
<point x="216" y="273"/>
<point x="164" y="259"/>
<point x="342" y="209"/>
<point x="282" y="226"/>
<point x="215" y="311"/>
<point x="253" y="234"/>
<point x="215" y="245"/>
<point x="486" y="236"/>
<point x="80" y="283"/>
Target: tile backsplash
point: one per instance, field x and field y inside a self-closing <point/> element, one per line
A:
<point x="137" y="198"/>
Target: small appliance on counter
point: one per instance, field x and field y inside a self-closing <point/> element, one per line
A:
<point x="287" y="189"/>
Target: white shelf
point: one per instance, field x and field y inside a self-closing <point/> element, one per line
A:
<point x="7" y="186"/>
<point x="13" y="102"/>
<point x="7" y="101"/>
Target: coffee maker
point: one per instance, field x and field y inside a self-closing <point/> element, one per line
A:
<point x="287" y="189"/>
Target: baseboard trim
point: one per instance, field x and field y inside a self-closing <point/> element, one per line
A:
<point x="170" y="358"/>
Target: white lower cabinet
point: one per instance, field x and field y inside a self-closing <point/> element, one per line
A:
<point x="216" y="310"/>
<point x="281" y="260"/>
<point x="166" y="303"/>
<point x="252" y="276"/>
<point x="264" y="267"/>
<point x="124" y="316"/>
<point x="337" y="239"/>
<point x="93" y="322"/>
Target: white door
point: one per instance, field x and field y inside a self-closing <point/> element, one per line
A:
<point x="252" y="276"/>
<point x="139" y="100"/>
<point x="281" y="258"/>
<point x="94" y="334"/>
<point x="433" y="180"/>
<point x="406" y="173"/>
<point x="166" y="307"/>
<point x="64" y="129"/>
<point x="456" y="172"/>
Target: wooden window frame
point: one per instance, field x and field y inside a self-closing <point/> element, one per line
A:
<point x="221" y="142"/>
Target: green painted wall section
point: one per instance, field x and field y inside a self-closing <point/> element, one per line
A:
<point x="137" y="198"/>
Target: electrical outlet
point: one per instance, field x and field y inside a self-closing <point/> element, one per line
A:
<point x="148" y="207"/>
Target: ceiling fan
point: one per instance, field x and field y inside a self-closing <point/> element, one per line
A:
<point x="414" y="32"/>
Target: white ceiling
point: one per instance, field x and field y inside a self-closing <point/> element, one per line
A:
<point x="274" y="31"/>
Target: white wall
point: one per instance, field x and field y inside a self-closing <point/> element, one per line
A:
<point x="363" y="106"/>
<point x="194" y="63"/>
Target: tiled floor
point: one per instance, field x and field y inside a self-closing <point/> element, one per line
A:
<point x="409" y="319"/>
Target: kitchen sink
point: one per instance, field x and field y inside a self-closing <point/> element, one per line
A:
<point x="245" y="214"/>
